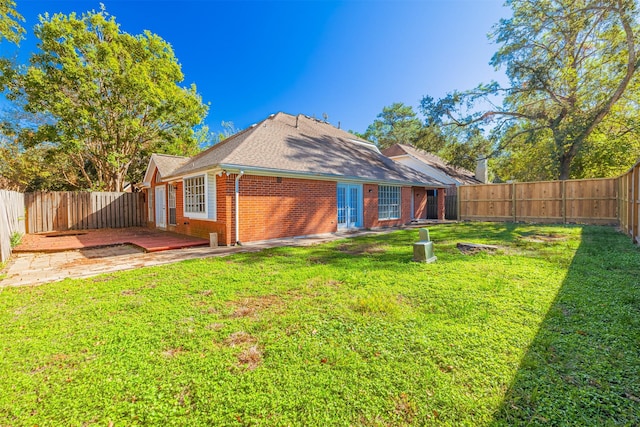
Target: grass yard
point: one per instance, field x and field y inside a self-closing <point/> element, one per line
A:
<point x="544" y="331"/>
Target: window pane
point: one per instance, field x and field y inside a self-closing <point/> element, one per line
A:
<point x="388" y="202"/>
<point x="194" y="195"/>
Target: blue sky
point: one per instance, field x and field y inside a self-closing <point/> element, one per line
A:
<point x="347" y="59"/>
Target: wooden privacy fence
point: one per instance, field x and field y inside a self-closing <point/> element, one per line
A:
<point x="11" y="220"/>
<point x="584" y="201"/>
<point x="629" y="202"/>
<point x="67" y="210"/>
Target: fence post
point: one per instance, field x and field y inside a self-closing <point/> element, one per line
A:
<point x="513" y="202"/>
<point x="563" y="190"/>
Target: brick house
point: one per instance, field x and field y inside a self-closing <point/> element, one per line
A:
<point x="286" y="176"/>
<point x="433" y="166"/>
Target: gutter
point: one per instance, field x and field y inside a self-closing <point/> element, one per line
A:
<point x="237" y="196"/>
<point x="260" y="171"/>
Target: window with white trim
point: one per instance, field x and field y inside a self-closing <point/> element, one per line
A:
<point x="172" y="204"/>
<point x="150" y="204"/>
<point x="388" y="202"/>
<point x="195" y="201"/>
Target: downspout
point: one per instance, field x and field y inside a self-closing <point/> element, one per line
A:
<point x="237" y="194"/>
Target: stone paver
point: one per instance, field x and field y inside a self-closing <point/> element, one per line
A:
<point x="34" y="268"/>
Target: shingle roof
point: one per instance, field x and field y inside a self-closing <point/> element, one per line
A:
<point x="462" y="175"/>
<point x="305" y="146"/>
<point x="166" y="164"/>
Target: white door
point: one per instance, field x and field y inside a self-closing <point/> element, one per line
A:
<point x="161" y="207"/>
<point x="349" y="198"/>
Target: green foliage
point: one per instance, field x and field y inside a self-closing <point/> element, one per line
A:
<point x="207" y="139"/>
<point x="10" y="28"/>
<point x="544" y="331"/>
<point x="15" y="239"/>
<point x="112" y="98"/>
<point x="396" y="124"/>
<point x="36" y="168"/>
<point x="399" y="124"/>
<point x="12" y="31"/>
<point x="572" y="67"/>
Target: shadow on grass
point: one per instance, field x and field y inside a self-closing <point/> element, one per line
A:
<point x="583" y="367"/>
<point x="390" y="249"/>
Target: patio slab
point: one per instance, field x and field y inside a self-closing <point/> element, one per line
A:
<point x="150" y="240"/>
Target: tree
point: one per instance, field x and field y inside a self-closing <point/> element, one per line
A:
<point x="12" y="31"/>
<point x="10" y="28"/>
<point x="112" y="98"/>
<point x="569" y="62"/>
<point x="32" y="169"/>
<point x="397" y="124"/>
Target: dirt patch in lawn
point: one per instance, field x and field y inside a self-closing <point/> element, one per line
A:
<point x="250" y="358"/>
<point x="173" y="352"/>
<point x="544" y="238"/>
<point x="352" y="248"/>
<point x="239" y="338"/>
<point x="474" y="248"/>
<point x="250" y="307"/>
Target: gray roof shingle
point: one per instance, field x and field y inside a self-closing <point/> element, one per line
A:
<point x="305" y="146"/>
<point x="166" y="164"/>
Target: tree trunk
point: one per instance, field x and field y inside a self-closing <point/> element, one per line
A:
<point x="565" y="166"/>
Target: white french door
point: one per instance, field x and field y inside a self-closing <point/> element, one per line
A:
<point x="161" y="207"/>
<point x="349" y="200"/>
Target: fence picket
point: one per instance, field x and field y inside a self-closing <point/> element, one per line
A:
<point x="60" y="211"/>
<point x="12" y="220"/>
<point x="587" y="201"/>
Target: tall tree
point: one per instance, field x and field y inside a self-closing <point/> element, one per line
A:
<point x="12" y="31"/>
<point x="10" y="28"/>
<point x="569" y="62"/>
<point x="396" y="124"/>
<point x="113" y="98"/>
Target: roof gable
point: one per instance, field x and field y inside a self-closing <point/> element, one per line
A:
<point x="165" y="164"/>
<point x="459" y="174"/>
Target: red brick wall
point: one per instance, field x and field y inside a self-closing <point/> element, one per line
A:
<point x="419" y="203"/>
<point x="273" y="207"/>
<point x="406" y="206"/>
<point x="371" y="208"/>
<point x="197" y="227"/>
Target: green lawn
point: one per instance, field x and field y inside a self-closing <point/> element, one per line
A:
<point x="545" y="330"/>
